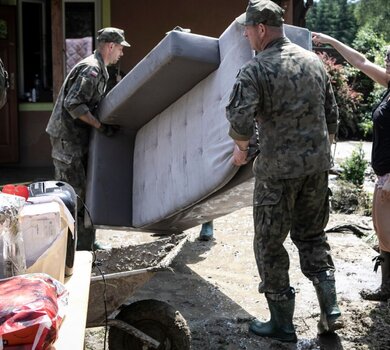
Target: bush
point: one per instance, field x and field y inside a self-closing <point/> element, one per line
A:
<point x="347" y="99"/>
<point x="354" y="167"/>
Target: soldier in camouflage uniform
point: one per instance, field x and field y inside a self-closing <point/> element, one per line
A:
<point x="287" y="90"/>
<point x="73" y="118"/>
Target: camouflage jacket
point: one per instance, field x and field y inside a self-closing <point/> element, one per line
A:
<point x="288" y="91"/>
<point x="81" y="92"/>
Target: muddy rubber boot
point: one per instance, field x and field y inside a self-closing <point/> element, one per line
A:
<point x="383" y="292"/>
<point x="280" y="326"/>
<point x="331" y="318"/>
<point x="207" y="231"/>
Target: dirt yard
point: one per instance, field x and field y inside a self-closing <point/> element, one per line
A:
<point x="214" y="286"/>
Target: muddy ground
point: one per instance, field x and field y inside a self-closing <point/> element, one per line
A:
<point x="214" y="286"/>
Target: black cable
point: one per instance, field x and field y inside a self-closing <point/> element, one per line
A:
<point x="90" y="217"/>
<point x="97" y="265"/>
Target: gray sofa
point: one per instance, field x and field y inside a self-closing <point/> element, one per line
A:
<point x="169" y="168"/>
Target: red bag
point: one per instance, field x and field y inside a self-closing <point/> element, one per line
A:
<point x="32" y="308"/>
<point x="17" y="190"/>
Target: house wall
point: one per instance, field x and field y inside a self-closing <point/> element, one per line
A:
<point x="34" y="143"/>
<point x="146" y="22"/>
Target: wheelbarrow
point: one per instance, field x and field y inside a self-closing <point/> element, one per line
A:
<point x="144" y="324"/>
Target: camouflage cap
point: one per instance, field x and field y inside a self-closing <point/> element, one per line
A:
<point x="262" y="11"/>
<point x="112" y="35"/>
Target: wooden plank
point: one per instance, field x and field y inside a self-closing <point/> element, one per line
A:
<point x="72" y="331"/>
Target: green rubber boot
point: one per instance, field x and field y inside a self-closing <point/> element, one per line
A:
<point x="207" y="231"/>
<point x="383" y="292"/>
<point x="280" y="326"/>
<point x="331" y="318"/>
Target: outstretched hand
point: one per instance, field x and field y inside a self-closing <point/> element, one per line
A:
<point x="319" y="38"/>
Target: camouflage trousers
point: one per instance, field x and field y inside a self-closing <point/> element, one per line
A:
<point x="70" y="165"/>
<point x="299" y="206"/>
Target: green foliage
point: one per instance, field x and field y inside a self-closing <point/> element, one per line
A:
<point x="365" y="111"/>
<point x="333" y="17"/>
<point x="355" y="167"/>
<point x="365" y="127"/>
<point x="370" y="43"/>
<point x="375" y="14"/>
<point x="373" y="46"/>
<point x="356" y="94"/>
<point x="364" y="25"/>
<point x="347" y="99"/>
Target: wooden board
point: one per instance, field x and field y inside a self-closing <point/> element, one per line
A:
<point x="72" y="331"/>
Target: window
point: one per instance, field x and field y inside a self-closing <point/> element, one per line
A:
<point x="79" y="32"/>
<point x="80" y="21"/>
<point x="35" y="62"/>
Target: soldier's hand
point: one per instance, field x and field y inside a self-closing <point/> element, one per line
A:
<point x="108" y="130"/>
<point x="240" y="156"/>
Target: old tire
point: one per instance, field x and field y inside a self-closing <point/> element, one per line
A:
<point x="157" y="319"/>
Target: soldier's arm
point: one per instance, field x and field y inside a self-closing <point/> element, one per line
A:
<point x="90" y="119"/>
<point x="80" y="94"/>
<point x="331" y="111"/>
<point x="243" y="105"/>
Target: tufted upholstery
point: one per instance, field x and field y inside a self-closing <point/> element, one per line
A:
<point x="184" y="153"/>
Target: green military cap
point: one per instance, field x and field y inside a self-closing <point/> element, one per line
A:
<point x="262" y="11"/>
<point x="112" y="35"/>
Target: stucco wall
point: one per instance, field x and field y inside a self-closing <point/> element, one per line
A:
<point x="34" y="143"/>
<point x="146" y="22"/>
